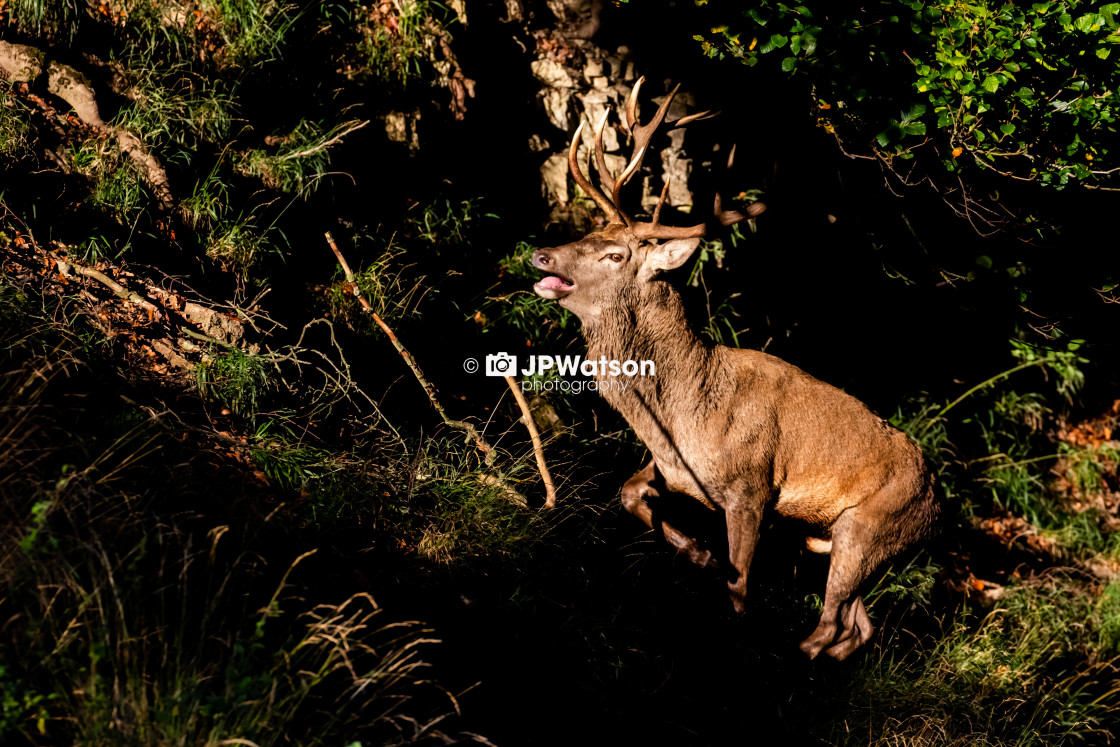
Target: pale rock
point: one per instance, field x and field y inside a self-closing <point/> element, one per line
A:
<point x="554" y="178"/>
<point x="592" y="70"/>
<point x="551" y="73"/>
<point x="555" y="102"/>
<point x="678" y="170"/>
<point x="595" y="104"/>
<point x="580" y="17"/>
<point x="615" y="163"/>
<point x="612" y="67"/>
<point x="401" y="127"/>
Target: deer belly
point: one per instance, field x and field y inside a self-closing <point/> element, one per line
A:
<point x="813" y="502"/>
<point x="680" y="479"/>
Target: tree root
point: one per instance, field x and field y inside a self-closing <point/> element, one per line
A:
<point x="22" y="62"/>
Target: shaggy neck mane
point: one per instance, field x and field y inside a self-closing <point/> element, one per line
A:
<point x="648" y="322"/>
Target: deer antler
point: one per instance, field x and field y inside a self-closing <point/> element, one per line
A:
<point x="604" y="202"/>
<point x="642" y="134"/>
<point x="654" y="229"/>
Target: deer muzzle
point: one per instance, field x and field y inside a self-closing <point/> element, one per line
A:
<point x="553" y="286"/>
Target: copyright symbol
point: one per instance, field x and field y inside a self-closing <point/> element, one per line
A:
<point x="470" y="365"/>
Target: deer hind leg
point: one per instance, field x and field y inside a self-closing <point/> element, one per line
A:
<point x="844" y="625"/>
<point x="637" y="493"/>
<point x="862" y="538"/>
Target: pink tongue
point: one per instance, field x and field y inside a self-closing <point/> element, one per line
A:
<point x="552" y="282"/>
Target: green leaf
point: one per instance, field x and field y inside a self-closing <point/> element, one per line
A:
<point x="915" y="128"/>
<point x="1088" y="22"/>
<point x="789" y="64"/>
<point x="777" y="41"/>
<point x="990" y="84"/>
<point x="916" y="111"/>
<point x="809" y="40"/>
<point x="1103" y="52"/>
<point x="1007" y="128"/>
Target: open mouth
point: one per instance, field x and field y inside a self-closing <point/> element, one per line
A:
<point x="554" y="286"/>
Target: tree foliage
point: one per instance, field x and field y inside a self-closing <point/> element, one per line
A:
<point x="1025" y="91"/>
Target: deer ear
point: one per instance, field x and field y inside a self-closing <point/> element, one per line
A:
<point x="671" y="254"/>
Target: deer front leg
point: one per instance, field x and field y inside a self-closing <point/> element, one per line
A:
<point x="647" y="484"/>
<point x="744" y="516"/>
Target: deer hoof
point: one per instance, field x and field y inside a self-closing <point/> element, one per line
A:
<point x="814" y="644"/>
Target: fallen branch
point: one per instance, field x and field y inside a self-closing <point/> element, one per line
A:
<point x="118" y="290"/>
<point x="538" y="448"/>
<point x="472" y="433"/>
<point x="66" y="265"/>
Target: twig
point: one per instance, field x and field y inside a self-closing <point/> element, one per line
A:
<point x="119" y="290"/>
<point x="206" y="338"/>
<point x="326" y="143"/>
<point x="472" y="433"/>
<point x="538" y="448"/>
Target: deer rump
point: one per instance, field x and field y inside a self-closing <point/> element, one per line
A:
<point x="737" y="429"/>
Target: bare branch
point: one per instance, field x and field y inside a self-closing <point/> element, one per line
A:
<point x="472" y="433"/>
<point x="349" y="127"/>
<point x="538" y="448"/>
<point x="118" y="290"/>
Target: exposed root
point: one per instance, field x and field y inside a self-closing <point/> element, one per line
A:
<point x="21" y="62"/>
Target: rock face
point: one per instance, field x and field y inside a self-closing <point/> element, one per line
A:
<point x="580" y="80"/>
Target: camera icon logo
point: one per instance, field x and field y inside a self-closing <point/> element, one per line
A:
<point x="501" y="364"/>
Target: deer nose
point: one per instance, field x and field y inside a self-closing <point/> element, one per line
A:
<point x="541" y="259"/>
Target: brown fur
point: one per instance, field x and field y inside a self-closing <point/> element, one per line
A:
<point x="740" y="430"/>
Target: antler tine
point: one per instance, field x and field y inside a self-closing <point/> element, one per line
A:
<point x="643" y="133"/>
<point x="600" y="199"/>
<point x="697" y="117"/>
<point x="624" y="177"/>
<point x="631" y="117"/>
<point x="729" y="217"/>
<point x="661" y="202"/>
<point x="657" y="231"/>
<point x="600" y="158"/>
<point x="654" y="229"/>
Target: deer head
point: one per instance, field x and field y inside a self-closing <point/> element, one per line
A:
<point x="586" y="274"/>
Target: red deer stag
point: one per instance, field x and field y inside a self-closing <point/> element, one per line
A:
<point x="733" y="429"/>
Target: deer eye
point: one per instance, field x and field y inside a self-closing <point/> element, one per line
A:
<point x="614" y="257"/>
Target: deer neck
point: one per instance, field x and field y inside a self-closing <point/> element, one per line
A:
<point x="648" y="323"/>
